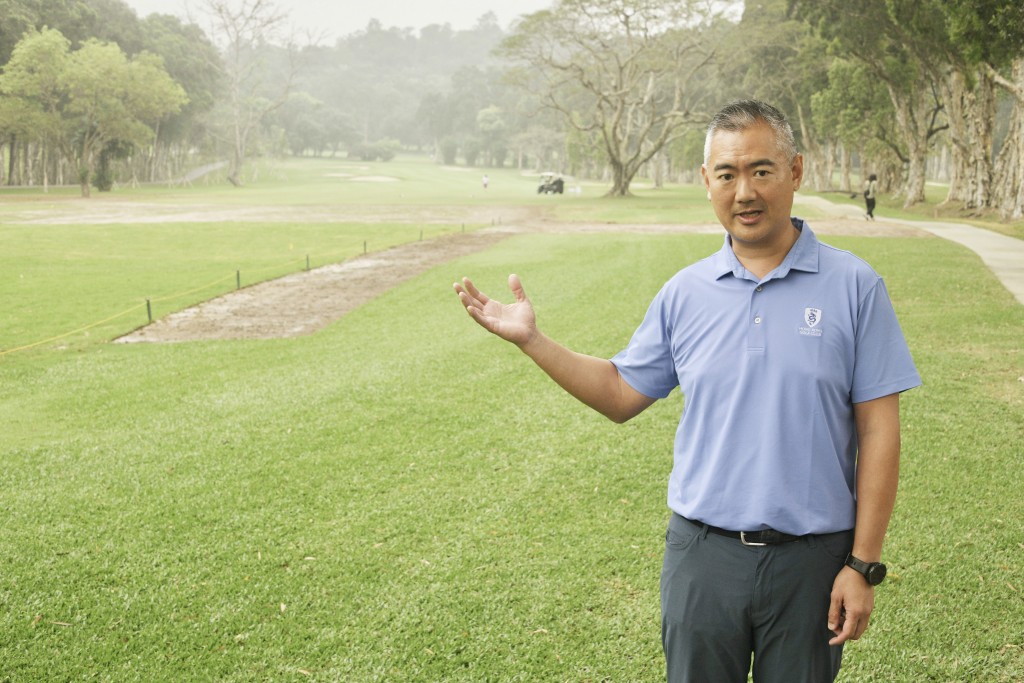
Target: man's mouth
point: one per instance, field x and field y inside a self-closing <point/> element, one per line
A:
<point x="749" y="217"/>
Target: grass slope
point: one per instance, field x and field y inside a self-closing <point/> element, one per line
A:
<point x="401" y="497"/>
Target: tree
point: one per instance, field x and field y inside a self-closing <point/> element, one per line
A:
<point x="856" y="109"/>
<point x="493" y="128"/>
<point x="620" y="69"/>
<point x="112" y="100"/>
<point x="32" y="91"/>
<point x="903" y="59"/>
<point x="246" y="33"/>
<point x="435" y="118"/>
<point x="186" y="52"/>
<point x="782" y="61"/>
<point x="990" y="36"/>
<point x="86" y="102"/>
<point x="18" y="17"/>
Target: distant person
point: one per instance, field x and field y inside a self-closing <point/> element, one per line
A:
<point x="869" y="196"/>
<point x="487" y="181"/>
<point x="791" y="362"/>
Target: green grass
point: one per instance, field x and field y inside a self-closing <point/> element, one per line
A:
<point x="60" y="278"/>
<point x="401" y="497"/>
<point x="325" y="182"/>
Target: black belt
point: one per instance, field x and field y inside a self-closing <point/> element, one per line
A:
<point x="756" y="538"/>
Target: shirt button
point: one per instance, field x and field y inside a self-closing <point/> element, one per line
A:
<point x="760" y="288"/>
<point x="757" y="320"/>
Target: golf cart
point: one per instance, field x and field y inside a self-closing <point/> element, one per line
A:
<point x="551" y="183"/>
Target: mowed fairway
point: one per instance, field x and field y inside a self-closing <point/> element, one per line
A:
<point x="400" y="497"/>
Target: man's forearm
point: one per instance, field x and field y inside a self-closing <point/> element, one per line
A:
<point x="594" y="381"/>
<point x="878" y="463"/>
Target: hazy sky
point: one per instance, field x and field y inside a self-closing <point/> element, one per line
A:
<point x="337" y="18"/>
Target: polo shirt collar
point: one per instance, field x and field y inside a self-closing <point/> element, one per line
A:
<point x="803" y="255"/>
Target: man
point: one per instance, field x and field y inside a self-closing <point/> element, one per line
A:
<point x="791" y="362"/>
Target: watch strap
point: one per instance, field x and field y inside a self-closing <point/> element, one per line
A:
<point x="857" y="565"/>
<point x="873" y="572"/>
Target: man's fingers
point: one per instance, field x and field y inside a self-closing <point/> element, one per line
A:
<point x="517" y="288"/>
<point x="467" y="301"/>
<point x="847" y="627"/>
<point x="835" y="615"/>
<point x="474" y="292"/>
<point x="470" y="296"/>
<point x="852" y="630"/>
<point x="837" y="622"/>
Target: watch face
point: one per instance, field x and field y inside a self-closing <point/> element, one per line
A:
<point x="876" y="573"/>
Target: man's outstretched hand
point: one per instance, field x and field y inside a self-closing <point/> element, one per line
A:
<point x="514" y="322"/>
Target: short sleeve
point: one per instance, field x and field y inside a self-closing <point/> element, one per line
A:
<point x="882" y="364"/>
<point x="646" y="363"/>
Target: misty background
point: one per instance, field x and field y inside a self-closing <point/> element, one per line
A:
<point x="101" y="92"/>
<point x="333" y="20"/>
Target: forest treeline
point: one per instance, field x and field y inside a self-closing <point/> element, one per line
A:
<point x="910" y="90"/>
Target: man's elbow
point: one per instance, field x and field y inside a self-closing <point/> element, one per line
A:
<point x="619" y="417"/>
<point x="621" y="402"/>
<point x="625" y="410"/>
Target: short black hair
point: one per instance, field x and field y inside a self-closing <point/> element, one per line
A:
<point x="743" y="114"/>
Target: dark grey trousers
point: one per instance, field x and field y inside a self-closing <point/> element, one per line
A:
<point x="723" y="602"/>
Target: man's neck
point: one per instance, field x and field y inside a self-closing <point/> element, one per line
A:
<point x="763" y="259"/>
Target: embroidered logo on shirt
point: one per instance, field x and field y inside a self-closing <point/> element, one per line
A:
<point x="812" y="317"/>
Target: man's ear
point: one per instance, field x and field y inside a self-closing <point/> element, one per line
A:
<point x="707" y="180"/>
<point x="798" y="171"/>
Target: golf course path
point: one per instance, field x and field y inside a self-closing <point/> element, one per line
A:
<point x="1003" y="255"/>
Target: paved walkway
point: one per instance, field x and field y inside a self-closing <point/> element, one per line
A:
<point x="1004" y="255"/>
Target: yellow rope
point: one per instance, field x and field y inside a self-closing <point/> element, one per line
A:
<point x="68" y="334"/>
<point x="158" y="299"/>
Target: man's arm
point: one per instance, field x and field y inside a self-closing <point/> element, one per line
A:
<point x="594" y="381"/>
<point x="878" y="464"/>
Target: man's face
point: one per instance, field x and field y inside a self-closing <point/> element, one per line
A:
<point x="750" y="183"/>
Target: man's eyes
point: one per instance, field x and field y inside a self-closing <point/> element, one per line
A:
<point x="759" y="173"/>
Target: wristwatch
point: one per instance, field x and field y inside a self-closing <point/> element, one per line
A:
<point x="874" y="572"/>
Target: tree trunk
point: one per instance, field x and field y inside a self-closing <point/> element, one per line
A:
<point x="30" y="164"/>
<point x="658" y="164"/>
<point x="235" y="168"/>
<point x="12" y="160"/>
<point x="814" y="160"/>
<point x="971" y="112"/>
<point x="915" y="137"/>
<point x="845" y="168"/>
<point x="85" y="169"/>
<point x="954" y="91"/>
<point x="830" y="164"/>
<point x="1008" y="188"/>
<point x="620" y="180"/>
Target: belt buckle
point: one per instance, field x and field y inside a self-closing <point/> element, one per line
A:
<point x="744" y="541"/>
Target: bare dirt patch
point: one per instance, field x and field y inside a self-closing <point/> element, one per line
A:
<point x="302" y="303"/>
<point x="305" y="302"/>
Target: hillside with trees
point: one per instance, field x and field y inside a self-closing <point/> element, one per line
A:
<point x="911" y="90"/>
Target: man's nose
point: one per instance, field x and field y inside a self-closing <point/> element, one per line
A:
<point x="745" y="191"/>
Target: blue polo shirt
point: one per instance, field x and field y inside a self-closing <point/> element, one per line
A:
<point x="770" y="370"/>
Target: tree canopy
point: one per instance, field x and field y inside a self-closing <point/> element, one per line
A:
<point x="906" y="89"/>
<point x="623" y="72"/>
